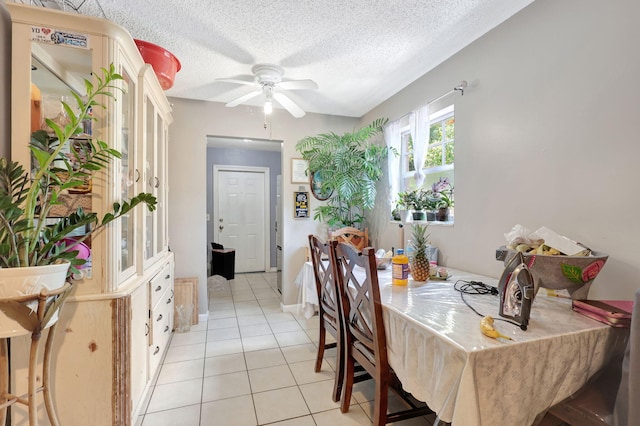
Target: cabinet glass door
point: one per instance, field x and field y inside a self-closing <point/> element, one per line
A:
<point x="160" y="190"/>
<point x="127" y="171"/>
<point x="150" y="178"/>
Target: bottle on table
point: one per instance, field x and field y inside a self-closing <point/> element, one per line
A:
<point x="400" y="268"/>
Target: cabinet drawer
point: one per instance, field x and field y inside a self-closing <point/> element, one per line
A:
<point x="160" y="283"/>
<point x="161" y="332"/>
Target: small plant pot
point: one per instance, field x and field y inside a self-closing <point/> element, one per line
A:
<point x="419" y="215"/>
<point x="431" y="215"/>
<point x="405" y="215"/>
<point x="442" y="214"/>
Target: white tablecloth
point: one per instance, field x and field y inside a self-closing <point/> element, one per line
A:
<point x="435" y="347"/>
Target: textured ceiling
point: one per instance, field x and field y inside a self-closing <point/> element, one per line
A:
<point x="359" y="52"/>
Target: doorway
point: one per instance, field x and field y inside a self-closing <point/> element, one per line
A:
<point x="241" y="217"/>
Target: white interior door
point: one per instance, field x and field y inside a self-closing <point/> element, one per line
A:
<point x="240" y="215"/>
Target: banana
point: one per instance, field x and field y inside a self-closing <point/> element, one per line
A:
<point x="487" y="328"/>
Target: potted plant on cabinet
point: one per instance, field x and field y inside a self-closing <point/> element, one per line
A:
<point x="349" y="166"/>
<point x="27" y="240"/>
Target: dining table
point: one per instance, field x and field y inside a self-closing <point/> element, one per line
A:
<point x="438" y="352"/>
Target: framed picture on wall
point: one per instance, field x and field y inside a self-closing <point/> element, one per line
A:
<point x="299" y="170"/>
<point x="301" y="203"/>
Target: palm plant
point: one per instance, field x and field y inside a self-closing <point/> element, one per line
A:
<point x="25" y="237"/>
<point x="349" y="165"/>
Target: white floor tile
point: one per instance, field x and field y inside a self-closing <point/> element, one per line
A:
<point x="223" y="334"/>
<point x="225" y="386"/>
<point x="191" y="338"/>
<point x="293" y="338"/>
<point x="224" y="347"/>
<point x="223" y="364"/>
<point x="279" y="404"/>
<point x="318" y="396"/>
<point x="300" y="353"/>
<point x="180" y="371"/>
<point x="255" y="330"/>
<point x="264" y="358"/>
<point x="282" y="316"/>
<point x="236" y="411"/>
<point x="183" y="416"/>
<point x="174" y="395"/>
<point x="298" y="421"/>
<point x="253" y="310"/>
<point x="223" y="313"/>
<point x="184" y="353"/>
<point x="304" y="372"/>
<point x="222" y="323"/>
<point x="269" y="378"/>
<point x="252" y="320"/>
<point x="355" y="417"/>
<point x="257" y="343"/>
<point x="285" y="326"/>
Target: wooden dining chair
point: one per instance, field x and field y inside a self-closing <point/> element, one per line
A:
<point x="328" y="310"/>
<point x="364" y="334"/>
<point x="348" y="234"/>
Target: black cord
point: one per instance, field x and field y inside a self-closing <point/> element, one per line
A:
<point x="478" y="287"/>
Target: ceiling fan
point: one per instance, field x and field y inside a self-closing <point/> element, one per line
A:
<point x="268" y="81"/>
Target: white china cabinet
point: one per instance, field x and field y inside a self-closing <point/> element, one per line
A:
<point x="116" y="326"/>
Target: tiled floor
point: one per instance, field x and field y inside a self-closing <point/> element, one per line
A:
<point x="251" y="364"/>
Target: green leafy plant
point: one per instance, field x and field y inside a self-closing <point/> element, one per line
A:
<point x="349" y="165"/>
<point x="25" y="238"/>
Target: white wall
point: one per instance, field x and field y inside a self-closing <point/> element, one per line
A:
<point x="193" y="121"/>
<point x="546" y="134"/>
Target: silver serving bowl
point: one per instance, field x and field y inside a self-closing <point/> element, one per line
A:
<point x="572" y="273"/>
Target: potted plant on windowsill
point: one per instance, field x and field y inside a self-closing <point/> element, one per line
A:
<point x="441" y="197"/>
<point x="28" y="244"/>
<point x="419" y="201"/>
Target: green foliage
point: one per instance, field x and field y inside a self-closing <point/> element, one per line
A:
<point x="349" y="165"/>
<point x="25" y="240"/>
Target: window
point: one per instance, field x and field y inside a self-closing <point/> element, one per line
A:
<point x="440" y="153"/>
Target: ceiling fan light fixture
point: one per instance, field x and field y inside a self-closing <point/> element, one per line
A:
<point x="268" y="107"/>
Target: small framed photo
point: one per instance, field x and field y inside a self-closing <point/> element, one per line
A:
<point x="299" y="170"/>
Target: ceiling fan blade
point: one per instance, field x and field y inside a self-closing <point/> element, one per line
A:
<point x="289" y="105"/>
<point x="243" y="98"/>
<point x="298" y="85"/>
<point x="248" y="80"/>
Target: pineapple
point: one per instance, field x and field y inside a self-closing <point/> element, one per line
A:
<point x="420" y="262"/>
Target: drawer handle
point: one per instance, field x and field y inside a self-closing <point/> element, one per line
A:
<point x="157" y="350"/>
<point x="159" y="317"/>
<point x="166" y="328"/>
<point x="146" y="329"/>
<point x="167" y="276"/>
<point x="159" y="288"/>
<point x="168" y="301"/>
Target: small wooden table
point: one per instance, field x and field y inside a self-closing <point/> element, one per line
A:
<point x="49" y="303"/>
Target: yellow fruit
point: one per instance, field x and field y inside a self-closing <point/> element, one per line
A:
<point x="486" y="327"/>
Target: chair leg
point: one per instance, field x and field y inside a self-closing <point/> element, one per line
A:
<point x="381" y="401"/>
<point x="321" y="343"/>
<point x="339" y="380"/>
<point x="347" y="387"/>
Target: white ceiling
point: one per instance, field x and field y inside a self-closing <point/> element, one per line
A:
<point x="359" y="52"/>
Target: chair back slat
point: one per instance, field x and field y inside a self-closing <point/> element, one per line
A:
<point x="325" y="284"/>
<point x="360" y="296"/>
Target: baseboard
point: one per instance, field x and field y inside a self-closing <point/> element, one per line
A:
<point x="203" y="317"/>
<point x="291" y="308"/>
